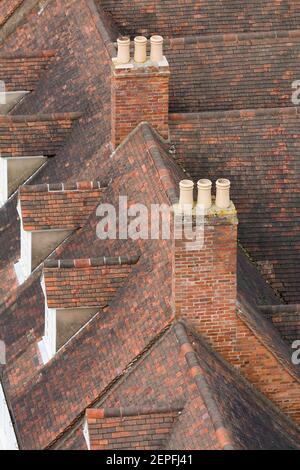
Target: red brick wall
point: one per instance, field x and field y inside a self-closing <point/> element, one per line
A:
<point x="205" y="283"/>
<point x="205" y="295"/>
<point x="139" y="95"/>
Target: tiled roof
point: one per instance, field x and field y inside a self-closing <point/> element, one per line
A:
<point x="209" y="72"/>
<point x="130" y="428"/>
<point x="219" y="409"/>
<point x="22" y="72"/>
<point x="259" y="151"/>
<point x="267" y="334"/>
<point x="286" y="319"/>
<point x="251" y="284"/>
<point x="41" y="135"/>
<point x="110" y="342"/>
<point x="85" y="282"/>
<point x="52" y="206"/>
<point x="189" y="17"/>
<point x="7" y="8"/>
<point x="137" y="358"/>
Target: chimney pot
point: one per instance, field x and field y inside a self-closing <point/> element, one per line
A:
<point x="223" y="193"/>
<point x="156" y="48"/>
<point x="123" y="50"/>
<point x="204" y="193"/>
<point x="140" y="49"/>
<point x="186" y="200"/>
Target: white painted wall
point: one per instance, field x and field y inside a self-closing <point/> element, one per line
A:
<point x="8" y="440"/>
<point x="3" y="181"/>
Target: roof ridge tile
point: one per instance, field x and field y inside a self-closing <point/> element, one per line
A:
<point x="91" y="262"/>
<point x="222" y="433"/>
<point x="64" y="187"/>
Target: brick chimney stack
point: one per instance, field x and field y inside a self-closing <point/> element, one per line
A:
<point x="205" y="272"/>
<point x="140" y="89"/>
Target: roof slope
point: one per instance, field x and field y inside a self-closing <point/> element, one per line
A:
<point x="7" y="8"/>
<point x="259" y="151"/>
<point x="67" y="206"/>
<point x="85" y="283"/>
<point x="189" y="17"/>
<point x="23" y="71"/>
<point x="233" y="71"/>
<point x="286" y="319"/>
<point x="130" y="429"/>
<point x="219" y="409"/>
<point x="113" y="340"/>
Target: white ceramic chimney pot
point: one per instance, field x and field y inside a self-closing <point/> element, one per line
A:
<point x="123" y="50"/>
<point x="156" y="54"/>
<point x="223" y="193"/>
<point x="186" y="200"/>
<point x="140" y="49"/>
<point x="204" y="193"/>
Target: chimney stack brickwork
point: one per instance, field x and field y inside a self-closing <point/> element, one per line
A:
<point x="140" y="92"/>
<point x="205" y="294"/>
<point x="205" y="282"/>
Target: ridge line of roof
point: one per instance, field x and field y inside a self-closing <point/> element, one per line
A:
<point x="11" y="12"/>
<point x="222" y="433"/>
<point x="108" y="43"/>
<point x="234" y="38"/>
<point x="13" y="22"/>
<point x="240" y="113"/>
<point x="64" y="187"/>
<point x="148" y="131"/>
<point x="270" y="404"/>
<point x="72" y="116"/>
<point x="116" y="381"/>
<point x="280" y="309"/>
<point x="13" y="297"/>
<point x="100" y="413"/>
<point x="48" y="53"/>
<point x="91" y="262"/>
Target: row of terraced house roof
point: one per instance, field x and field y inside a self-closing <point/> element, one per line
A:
<point x="147" y="343"/>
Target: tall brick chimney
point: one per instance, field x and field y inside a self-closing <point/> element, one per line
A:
<point x="140" y="92"/>
<point x="205" y="287"/>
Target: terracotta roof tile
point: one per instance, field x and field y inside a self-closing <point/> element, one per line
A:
<point x="53" y="206"/>
<point x="40" y="135"/>
<point x="22" y="72"/>
<point x="286" y="319"/>
<point x="260" y="145"/>
<point x="85" y="283"/>
<point x="130" y="428"/>
<point x="205" y="17"/>
<point x="7" y="8"/>
<point x="209" y="72"/>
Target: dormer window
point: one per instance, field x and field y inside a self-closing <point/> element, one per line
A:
<point x="49" y="214"/>
<point x="75" y="290"/>
<point x="14" y="171"/>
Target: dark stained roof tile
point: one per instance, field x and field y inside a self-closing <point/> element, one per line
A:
<point x="258" y="150"/>
<point x="129" y="428"/>
<point x="84" y="284"/>
<point x="205" y="17"/>
<point x="22" y="72"/>
<point x="46" y="207"/>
